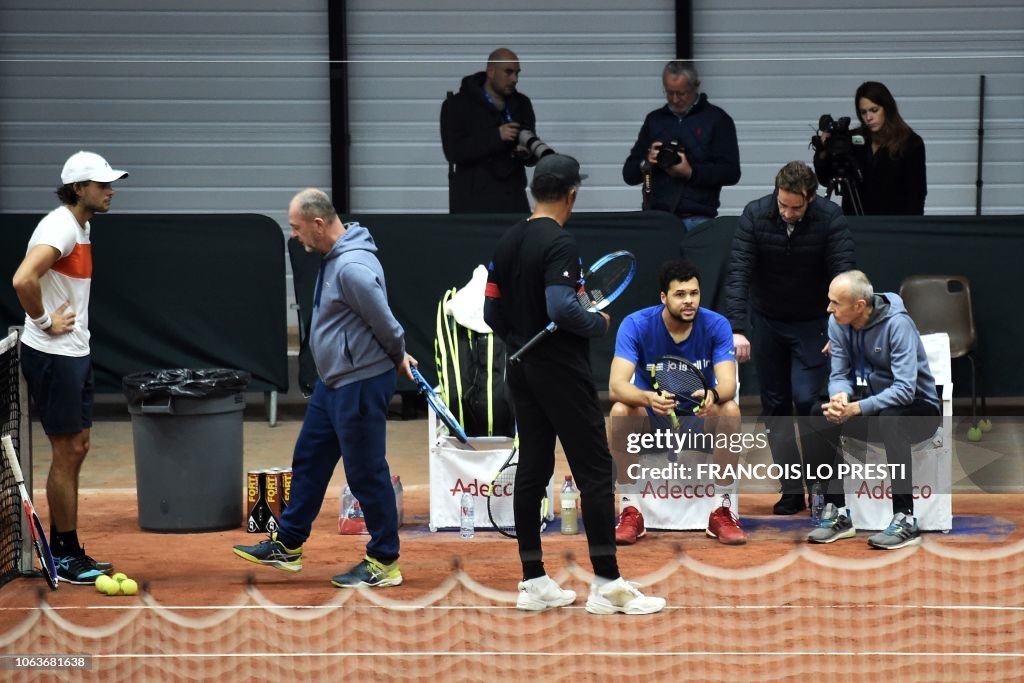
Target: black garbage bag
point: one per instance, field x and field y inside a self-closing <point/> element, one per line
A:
<point x="209" y="383"/>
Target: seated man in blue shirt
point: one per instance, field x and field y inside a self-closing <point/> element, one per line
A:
<point x="677" y="326"/>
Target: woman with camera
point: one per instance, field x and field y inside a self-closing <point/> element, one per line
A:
<point x="886" y="164"/>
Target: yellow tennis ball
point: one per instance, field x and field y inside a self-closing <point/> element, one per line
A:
<point x="111" y="587"/>
<point x="119" y="577"/>
<point x="129" y="587"/>
<point x="101" y="582"/>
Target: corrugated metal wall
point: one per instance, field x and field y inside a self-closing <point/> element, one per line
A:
<point x="212" y="106"/>
<point x="593" y="71"/>
<point x="777" y="70"/>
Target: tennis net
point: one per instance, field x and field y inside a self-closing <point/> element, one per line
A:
<point x="10" y="424"/>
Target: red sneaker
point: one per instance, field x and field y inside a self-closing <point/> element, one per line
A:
<point x="630" y="527"/>
<point x="725" y="526"/>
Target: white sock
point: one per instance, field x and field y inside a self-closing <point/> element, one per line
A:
<point x="723" y="490"/>
<point x="601" y="580"/>
<point x="627" y="500"/>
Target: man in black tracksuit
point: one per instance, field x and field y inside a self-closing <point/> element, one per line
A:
<point x="532" y="279"/>
<point x="787" y="248"/>
<point x="480" y="128"/>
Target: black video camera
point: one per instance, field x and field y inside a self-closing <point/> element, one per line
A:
<point x="840" y="140"/>
<point x="669" y="154"/>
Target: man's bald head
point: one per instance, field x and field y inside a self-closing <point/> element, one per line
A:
<point x="502" y="73"/>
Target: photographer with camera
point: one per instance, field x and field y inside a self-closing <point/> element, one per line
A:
<point x="686" y="151"/>
<point x="487" y="132"/>
<point x="879" y="167"/>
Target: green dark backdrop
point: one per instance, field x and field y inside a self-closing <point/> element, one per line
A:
<point x="175" y="291"/>
<point x="425" y="254"/>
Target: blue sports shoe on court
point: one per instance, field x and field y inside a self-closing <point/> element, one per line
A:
<point x="369" y="574"/>
<point x="76" y="569"/>
<point x="272" y="553"/>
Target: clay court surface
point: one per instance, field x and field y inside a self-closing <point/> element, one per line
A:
<point x="774" y="609"/>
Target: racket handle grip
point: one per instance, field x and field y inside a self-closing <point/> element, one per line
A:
<point x="12" y="459"/>
<point x="517" y="356"/>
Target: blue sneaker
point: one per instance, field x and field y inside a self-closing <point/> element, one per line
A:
<point x="370" y="574"/>
<point x="272" y="553"/>
<point x="76" y="569"/>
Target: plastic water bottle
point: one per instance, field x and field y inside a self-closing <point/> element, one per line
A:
<point x="467" y="515"/>
<point x="570" y="507"/>
<point x="350" y="516"/>
<point x="817" y="501"/>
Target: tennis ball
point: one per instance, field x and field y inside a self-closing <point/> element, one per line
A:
<point x="129" y="587"/>
<point x="111" y="587"/>
<point x="119" y="577"/>
<point x="101" y="582"/>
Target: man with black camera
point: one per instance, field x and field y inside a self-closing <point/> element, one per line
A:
<point x="487" y="132"/>
<point x="686" y="151"/>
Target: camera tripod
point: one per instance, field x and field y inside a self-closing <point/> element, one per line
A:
<point x="842" y="186"/>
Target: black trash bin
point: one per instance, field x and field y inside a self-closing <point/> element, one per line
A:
<point x="187" y="434"/>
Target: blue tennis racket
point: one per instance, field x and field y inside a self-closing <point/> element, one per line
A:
<point x="439" y="408"/>
<point x="602" y="284"/>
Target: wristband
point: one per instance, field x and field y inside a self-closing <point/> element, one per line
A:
<point x="43" y="322"/>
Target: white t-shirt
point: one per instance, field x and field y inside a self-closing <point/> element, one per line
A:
<point x="68" y="280"/>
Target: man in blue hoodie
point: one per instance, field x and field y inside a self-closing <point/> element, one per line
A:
<point x="879" y="369"/>
<point x="685" y="152"/>
<point x="357" y="344"/>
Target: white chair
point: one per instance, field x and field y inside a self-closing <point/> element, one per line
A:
<point x="870" y="502"/>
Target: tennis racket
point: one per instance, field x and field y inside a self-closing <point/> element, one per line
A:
<point x="602" y="284"/>
<point x="499" y="499"/>
<point x="35" y="526"/>
<point x="683" y="380"/>
<point x="440" y="409"/>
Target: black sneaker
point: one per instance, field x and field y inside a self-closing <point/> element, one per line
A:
<point x="104" y="567"/>
<point x="272" y="553"/>
<point x="76" y="569"/>
<point x="790" y="504"/>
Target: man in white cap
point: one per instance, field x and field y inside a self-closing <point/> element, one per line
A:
<point x="53" y="283"/>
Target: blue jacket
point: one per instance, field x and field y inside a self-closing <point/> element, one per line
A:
<point x="708" y="135"/>
<point x="354" y="335"/>
<point x="887" y="353"/>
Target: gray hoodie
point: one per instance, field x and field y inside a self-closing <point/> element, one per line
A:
<point x="887" y="352"/>
<point x="354" y="335"/>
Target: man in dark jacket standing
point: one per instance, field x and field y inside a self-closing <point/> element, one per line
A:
<point x="686" y="149"/>
<point x="787" y="248"/>
<point x="480" y="128"/>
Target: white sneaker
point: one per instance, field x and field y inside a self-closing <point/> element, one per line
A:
<point x="541" y="593"/>
<point x="621" y="596"/>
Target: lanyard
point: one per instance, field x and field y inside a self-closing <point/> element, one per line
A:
<point x="505" y="113"/>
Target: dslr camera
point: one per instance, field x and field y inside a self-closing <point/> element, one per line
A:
<point x="669" y="154"/>
<point x="531" y="148"/>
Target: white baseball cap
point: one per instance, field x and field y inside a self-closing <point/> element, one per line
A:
<point x="84" y="166"/>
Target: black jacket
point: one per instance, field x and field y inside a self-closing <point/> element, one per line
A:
<point x="489" y="178"/>
<point x="786" y="277"/>
<point x="888" y="187"/>
<point x="708" y="135"/>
